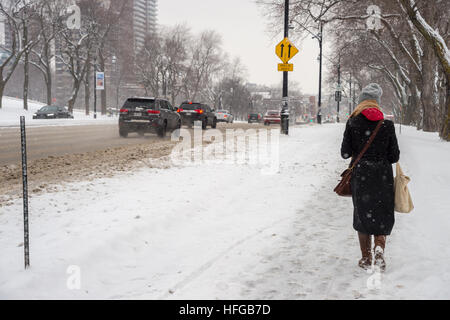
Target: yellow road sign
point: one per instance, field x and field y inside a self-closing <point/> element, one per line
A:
<point x="285" y="50"/>
<point x="285" y="67"/>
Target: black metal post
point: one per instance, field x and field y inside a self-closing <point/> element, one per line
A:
<point x="95" y="88"/>
<point x="339" y="88"/>
<point x="319" y="111"/>
<point x="401" y="119"/>
<point x="26" y="244"/>
<point x="285" y="106"/>
<point x="354" y="97"/>
<point x="350" y="98"/>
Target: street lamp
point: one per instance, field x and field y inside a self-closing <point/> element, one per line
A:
<point x="232" y="99"/>
<point x="338" y="95"/>
<point x="95" y="87"/>
<point x="114" y="62"/>
<point x="319" y="37"/>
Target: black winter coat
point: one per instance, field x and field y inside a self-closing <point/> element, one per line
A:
<point x="372" y="179"/>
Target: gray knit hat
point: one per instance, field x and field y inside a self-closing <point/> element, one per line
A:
<point x="372" y="92"/>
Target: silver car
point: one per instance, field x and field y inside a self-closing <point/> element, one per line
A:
<point x="224" y="116"/>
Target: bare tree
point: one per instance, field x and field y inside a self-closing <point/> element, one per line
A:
<point x="437" y="42"/>
<point x="14" y="13"/>
<point x="75" y="54"/>
<point x="205" y="59"/>
<point x="48" y="15"/>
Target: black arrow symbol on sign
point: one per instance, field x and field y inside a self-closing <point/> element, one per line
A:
<point x="282" y="48"/>
<point x="289" y="53"/>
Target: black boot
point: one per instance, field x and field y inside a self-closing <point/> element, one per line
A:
<point x="365" y="243"/>
<point x="380" y="244"/>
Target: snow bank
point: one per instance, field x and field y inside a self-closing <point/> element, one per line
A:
<point x="13" y="108"/>
<point x="216" y="231"/>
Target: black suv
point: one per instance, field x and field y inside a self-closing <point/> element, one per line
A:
<point x="194" y="111"/>
<point x="53" y="112"/>
<point x="255" y="117"/>
<point x="143" y="115"/>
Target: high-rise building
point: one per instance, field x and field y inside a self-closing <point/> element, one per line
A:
<point x="2" y="32"/>
<point x="144" y="20"/>
<point x="5" y="36"/>
<point x="138" y="19"/>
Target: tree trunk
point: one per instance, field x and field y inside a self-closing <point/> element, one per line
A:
<point x="427" y="98"/>
<point x="410" y="113"/>
<point x="49" y="83"/>
<point x="87" y="93"/>
<point x="105" y="83"/>
<point x="117" y="93"/>
<point x="445" y="131"/>
<point x="73" y="98"/>
<point x="26" y="79"/>
<point x="26" y="67"/>
<point x="2" y="89"/>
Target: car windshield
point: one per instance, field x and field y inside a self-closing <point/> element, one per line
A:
<point x="139" y="103"/>
<point x="190" y="106"/>
<point x="48" y="109"/>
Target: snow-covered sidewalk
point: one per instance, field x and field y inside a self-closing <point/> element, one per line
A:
<point x="217" y="231"/>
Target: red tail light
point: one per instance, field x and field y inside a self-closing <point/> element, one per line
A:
<point x="153" y="111"/>
<point x="259" y="116"/>
<point x="180" y="110"/>
<point x="124" y="111"/>
<point x="199" y="111"/>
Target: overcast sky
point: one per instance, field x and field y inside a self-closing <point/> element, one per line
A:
<point x="245" y="34"/>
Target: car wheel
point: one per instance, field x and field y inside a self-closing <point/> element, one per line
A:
<point x="161" y="131"/>
<point x="204" y="123"/>
<point x="214" y="124"/>
<point x="123" y="132"/>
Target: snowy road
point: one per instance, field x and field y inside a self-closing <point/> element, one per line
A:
<point x="61" y="140"/>
<point x="228" y="232"/>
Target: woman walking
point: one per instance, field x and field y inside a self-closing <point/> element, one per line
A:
<point x="372" y="180"/>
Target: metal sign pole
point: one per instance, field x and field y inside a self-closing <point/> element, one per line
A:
<point x="338" y="98"/>
<point x="285" y="106"/>
<point x="95" y="88"/>
<point x="319" y="111"/>
<point x="25" y="193"/>
<point x="401" y="118"/>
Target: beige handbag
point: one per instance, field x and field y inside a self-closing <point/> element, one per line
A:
<point x="403" y="201"/>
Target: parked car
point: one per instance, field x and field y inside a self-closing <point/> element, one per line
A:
<point x="191" y="112"/>
<point x="148" y="115"/>
<point x="255" y="117"/>
<point x="272" y="116"/>
<point x="224" y="116"/>
<point x="53" y="112"/>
